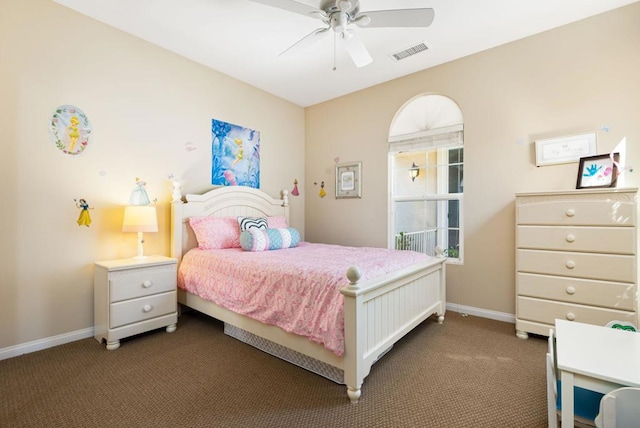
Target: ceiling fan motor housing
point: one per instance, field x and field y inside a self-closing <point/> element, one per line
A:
<point x="332" y="6"/>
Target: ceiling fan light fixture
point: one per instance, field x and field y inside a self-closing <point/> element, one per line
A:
<point x="338" y="15"/>
<point x="362" y="20"/>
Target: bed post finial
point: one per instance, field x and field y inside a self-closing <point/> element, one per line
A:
<point x="285" y="198"/>
<point x="176" y="195"/>
<point x="354" y="275"/>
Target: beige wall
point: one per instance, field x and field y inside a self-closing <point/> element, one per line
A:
<point x="145" y="105"/>
<point x="570" y="80"/>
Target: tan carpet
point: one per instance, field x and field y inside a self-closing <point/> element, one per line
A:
<point x="468" y="372"/>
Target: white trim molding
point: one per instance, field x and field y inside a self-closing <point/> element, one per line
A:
<point x="483" y="313"/>
<point x="47" y="342"/>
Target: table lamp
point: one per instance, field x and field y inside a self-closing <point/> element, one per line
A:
<point x="140" y="218"/>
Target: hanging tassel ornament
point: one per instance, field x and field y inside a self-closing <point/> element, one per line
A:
<point x="295" y="191"/>
<point x="322" y="192"/>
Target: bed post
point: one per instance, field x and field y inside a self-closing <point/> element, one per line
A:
<point x="353" y="376"/>
<point x="176" y="224"/>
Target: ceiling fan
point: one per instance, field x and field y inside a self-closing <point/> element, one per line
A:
<point x="340" y="16"/>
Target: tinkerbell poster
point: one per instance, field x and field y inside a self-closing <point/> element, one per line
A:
<point x="235" y="155"/>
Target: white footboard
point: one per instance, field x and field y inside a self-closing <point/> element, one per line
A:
<point x="380" y="312"/>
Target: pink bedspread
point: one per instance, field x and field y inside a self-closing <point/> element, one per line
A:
<point x="296" y="289"/>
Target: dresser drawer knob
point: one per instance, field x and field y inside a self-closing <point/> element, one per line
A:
<point x="147" y="283"/>
<point x="571" y="316"/>
<point x="571" y="212"/>
<point x="571" y="238"/>
<point x="147" y="308"/>
<point x="570" y="264"/>
<point x="571" y="290"/>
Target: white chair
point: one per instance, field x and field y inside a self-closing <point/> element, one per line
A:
<point x="585" y="401"/>
<point x="620" y="409"/>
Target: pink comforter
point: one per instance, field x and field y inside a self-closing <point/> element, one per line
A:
<point x="296" y="289"/>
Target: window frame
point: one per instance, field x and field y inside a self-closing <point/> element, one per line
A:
<point x="412" y="144"/>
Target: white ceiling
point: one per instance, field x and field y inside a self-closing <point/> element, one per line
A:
<point x="242" y="39"/>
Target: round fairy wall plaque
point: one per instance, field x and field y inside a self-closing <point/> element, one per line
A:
<point x="70" y="129"/>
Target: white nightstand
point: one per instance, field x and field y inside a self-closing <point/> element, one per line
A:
<point x="134" y="296"/>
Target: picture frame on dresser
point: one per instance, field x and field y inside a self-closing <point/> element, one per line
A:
<point x="598" y="171"/>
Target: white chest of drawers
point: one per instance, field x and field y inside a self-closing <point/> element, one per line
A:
<point x="576" y="258"/>
<point x="134" y="296"/>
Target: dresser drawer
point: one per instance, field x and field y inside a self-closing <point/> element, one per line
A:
<point x="142" y="282"/>
<point x="577" y="265"/>
<point x="135" y="310"/>
<point x="615" y="295"/>
<point x="615" y="240"/>
<point x="546" y="311"/>
<point x="577" y="212"/>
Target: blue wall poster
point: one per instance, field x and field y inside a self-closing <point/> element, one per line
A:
<point x="235" y="155"/>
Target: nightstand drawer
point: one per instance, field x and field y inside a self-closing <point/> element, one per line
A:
<point x="142" y="282"/>
<point x="131" y="311"/>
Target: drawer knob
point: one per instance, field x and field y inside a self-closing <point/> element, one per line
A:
<point x="571" y="238"/>
<point x="571" y="316"/>
<point x="571" y="212"/>
<point x="570" y="264"/>
<point x="571" y="290"/>
<point x="147" y="308"/>
<point x="147" y="283"/>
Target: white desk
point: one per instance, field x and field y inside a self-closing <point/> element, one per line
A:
<point x="597" y="358"/>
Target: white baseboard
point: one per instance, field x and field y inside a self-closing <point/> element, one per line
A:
<point x="484" y="313"/>
<point x="47" y="342"/>
<point x="61" y="339"/>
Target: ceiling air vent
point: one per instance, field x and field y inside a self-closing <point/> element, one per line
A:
<point x="406" y="53"/>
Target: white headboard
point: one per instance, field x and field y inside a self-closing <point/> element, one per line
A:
<point x="229" y="201"/>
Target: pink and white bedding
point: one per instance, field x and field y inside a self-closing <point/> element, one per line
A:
<point x="296" y="289"/>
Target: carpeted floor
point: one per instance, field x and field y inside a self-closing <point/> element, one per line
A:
<point x="467" y="372"/>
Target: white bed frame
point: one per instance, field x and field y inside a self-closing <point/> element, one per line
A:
<point x="377" y="312"/>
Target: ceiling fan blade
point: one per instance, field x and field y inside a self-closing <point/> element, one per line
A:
<point x="293" y="6"/>
<point x="396" y="18"/>
<point x="356" y="49"/>
<point x="305" y="42"/>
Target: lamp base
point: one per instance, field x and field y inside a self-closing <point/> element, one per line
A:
<point x="140" y="255"/>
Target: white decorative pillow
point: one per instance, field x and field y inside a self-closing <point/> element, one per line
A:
<point x="269" y="239"/>
<point x="247" y="223"/>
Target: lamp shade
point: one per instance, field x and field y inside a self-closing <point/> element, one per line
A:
<point x="140" y="218"/>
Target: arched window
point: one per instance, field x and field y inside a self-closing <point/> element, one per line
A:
<point x="426" y="164"/>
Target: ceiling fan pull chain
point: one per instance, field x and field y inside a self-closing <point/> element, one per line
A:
<point x="335" y="35"/>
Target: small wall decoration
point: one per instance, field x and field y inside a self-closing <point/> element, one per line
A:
<point x="139" y="194"/>
<point x="235" y="155"/>
<point x="598" y="171"/>
<point x="348" y="180"/>
<point x="295" y="191"/>
<point x="322" y="193"/>
<point x="70" y="130"/>
<point x="552" y="151"/>
<point x="84" y="219"/>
